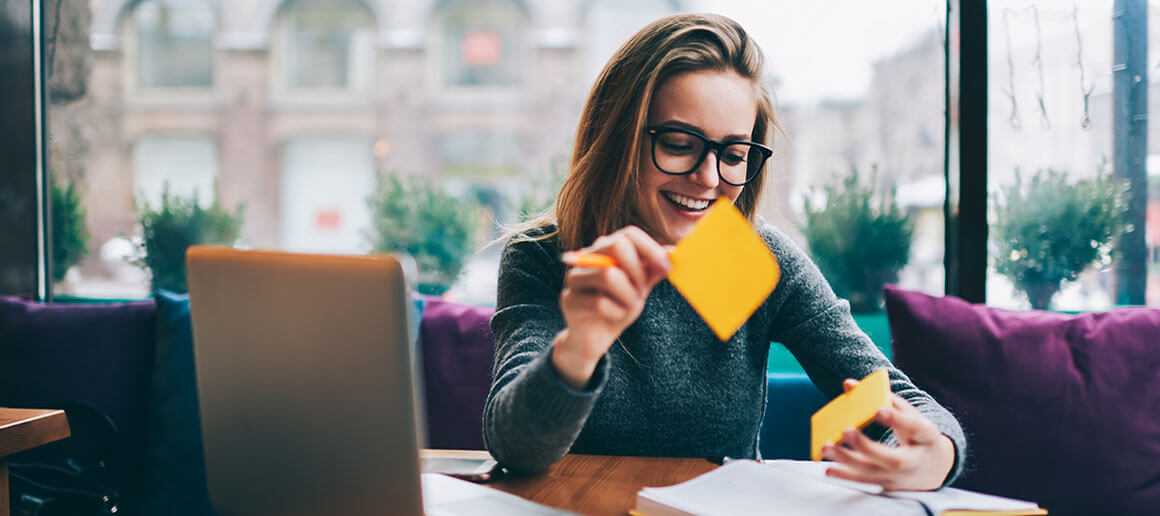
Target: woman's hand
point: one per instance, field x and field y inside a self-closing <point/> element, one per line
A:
<point x="600" y="303"/>
<point x="921" y="462"/>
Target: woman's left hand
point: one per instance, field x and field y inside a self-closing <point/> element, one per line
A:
<point x="921" y="461"/>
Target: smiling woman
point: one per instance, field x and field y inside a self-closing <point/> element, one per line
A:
<point x="611" y="360"/>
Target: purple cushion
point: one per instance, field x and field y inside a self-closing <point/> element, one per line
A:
<point x="100" y="355"/>
<point x="1061" y="410"/>
<point x="458" y="350"/>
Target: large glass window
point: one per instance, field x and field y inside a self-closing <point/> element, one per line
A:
<point x="173" y="40"/>
<point x="1070" y="155"/>
<point x="489" y="132"/>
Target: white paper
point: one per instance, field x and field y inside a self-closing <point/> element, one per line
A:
<point x="818" y="470"/>
<point x="446" y="496"/>
<point x="746" y="487"/>
<point x="949" y="498"/>
<point x="800" y="488"/>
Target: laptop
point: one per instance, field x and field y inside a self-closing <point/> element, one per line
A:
<point x="304" y="374"/>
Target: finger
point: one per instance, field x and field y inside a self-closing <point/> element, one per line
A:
<point x="622" y="250"/>
<point x="653" y="255"/>
<point x="927" y="431"/>
<point x="845" y="472"/>
<point x="881" y="455"/>
<point x="909" y="427"/>
<point x="593" y="302"/>
<point x="852" y="458"/>
<point x="611" y="282"/>
<point x="849" y="384"/>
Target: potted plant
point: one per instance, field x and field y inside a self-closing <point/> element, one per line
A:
<point x="179" y="222"/>
<point x="417" y="217"/>
<point x="859" y="239"/>
<point x="1048" y="231"/>
<point x="70" y="236"/>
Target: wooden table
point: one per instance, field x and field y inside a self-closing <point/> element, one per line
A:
<point x="599" y="484"/>
<point x="24" y="429"/>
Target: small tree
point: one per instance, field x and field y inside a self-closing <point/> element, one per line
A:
<point x="70" y="237"/>
<point x="858" y="240"/>
<point x="416" y="217"/>
<point x="172" y="227"/>
<point x="1048" y="231"/>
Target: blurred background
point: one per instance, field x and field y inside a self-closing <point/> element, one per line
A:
<point x="425" y="126"/>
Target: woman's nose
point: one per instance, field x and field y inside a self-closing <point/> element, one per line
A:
<point x="706" y="173"/>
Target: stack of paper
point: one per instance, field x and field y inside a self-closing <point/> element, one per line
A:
<point x="800" y="488"/>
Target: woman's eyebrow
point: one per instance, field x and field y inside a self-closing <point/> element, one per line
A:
<point x="691" y="127"/>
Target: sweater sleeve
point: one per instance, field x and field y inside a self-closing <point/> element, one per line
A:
<point x="532" y="417"/>
<point x="818" y="329"/>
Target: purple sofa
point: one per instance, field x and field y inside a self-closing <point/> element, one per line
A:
<point x="105" y="356"/>
<point x="1061" y="410"/>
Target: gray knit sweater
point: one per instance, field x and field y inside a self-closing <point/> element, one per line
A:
<point x="669" y="387"/>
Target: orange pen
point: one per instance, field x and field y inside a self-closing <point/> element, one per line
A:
<point x="591" y="260"/>
<point x="588" y="260"/>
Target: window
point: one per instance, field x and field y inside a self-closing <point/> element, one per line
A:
<point x="609" y="23"/>
<point x="183" y="166"/>
<point x="482" y="43"/>
<point x="173" y="40"/>
<point x="302" y="164"/>
<point x="1052" y="116"/>
<point x="326" y="45"/>
<point x="324" y="187"/>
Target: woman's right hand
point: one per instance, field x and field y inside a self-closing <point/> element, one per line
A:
<point x="600" y="303"/>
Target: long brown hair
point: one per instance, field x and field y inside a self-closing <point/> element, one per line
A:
<point x="598" y="196"/>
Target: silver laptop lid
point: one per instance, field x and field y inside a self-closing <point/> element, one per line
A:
<point x="305" y="383"/>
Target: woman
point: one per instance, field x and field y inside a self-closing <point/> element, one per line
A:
<point x="614" y="361"/>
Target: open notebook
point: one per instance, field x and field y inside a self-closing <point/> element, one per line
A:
<point x="800" y="488"/>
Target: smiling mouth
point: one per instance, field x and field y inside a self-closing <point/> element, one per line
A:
<point x="685" y="203"/>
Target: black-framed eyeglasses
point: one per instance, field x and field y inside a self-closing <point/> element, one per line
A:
<point x="679" y="151"/>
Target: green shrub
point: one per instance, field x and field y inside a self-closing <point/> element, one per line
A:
<point x="70" y="237"/>
<point x="414" y="216"/>
<point x="858" y="240"/>
<point x="1048" y="231"/>
<point x="177" y="224"/>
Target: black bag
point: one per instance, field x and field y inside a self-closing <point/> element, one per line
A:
<point x="69" y="477"/>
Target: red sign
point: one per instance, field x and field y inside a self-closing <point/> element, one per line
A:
<point x="328" y="219"/>
<point x="481" y="48"/>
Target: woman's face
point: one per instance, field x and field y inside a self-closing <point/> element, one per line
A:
<point x="722" y="106"/>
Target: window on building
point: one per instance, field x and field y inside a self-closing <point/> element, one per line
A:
<point x="609" y="23"/>
<point x="173" y="42"/>
<point x="326" y="44"/>
<point x="483" y="43"/>
<point x="324" y="188"/>
<point x="183" y="166"/>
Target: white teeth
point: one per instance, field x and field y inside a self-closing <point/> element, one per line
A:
<point x="688" y="202"/>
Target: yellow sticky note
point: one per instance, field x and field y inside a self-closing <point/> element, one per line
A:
<point x="854" y="409"/>
<point x="724" y="269"/>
